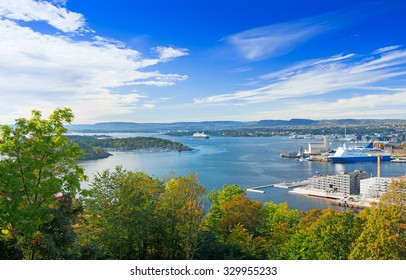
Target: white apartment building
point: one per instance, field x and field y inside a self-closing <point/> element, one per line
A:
<point x="373" y="188"/>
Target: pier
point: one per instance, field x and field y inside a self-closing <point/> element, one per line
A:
<point x="285" y="185"/>
<point x="259" y="188"/>
<point x="319" y="158"/>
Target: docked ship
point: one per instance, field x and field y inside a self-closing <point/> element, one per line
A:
<point x="357" y="154"/>
<point x="200" y="135"/>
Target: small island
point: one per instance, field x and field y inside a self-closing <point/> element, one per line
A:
<point x="95" y="146"/>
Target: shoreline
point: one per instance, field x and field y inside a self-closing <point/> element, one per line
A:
<point x="350" y="201"/>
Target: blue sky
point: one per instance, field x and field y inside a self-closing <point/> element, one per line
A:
<point x="167" y="61"/>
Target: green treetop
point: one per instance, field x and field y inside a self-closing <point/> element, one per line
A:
<point x="37" y="163"/>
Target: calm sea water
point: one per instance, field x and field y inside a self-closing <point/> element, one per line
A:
<point x="245" y="161"/>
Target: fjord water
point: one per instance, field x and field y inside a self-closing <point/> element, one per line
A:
<point x="245" y="161"/>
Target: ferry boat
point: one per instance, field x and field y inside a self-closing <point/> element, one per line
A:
<point x="200" y="135"/>
<point x="357" y="154"/>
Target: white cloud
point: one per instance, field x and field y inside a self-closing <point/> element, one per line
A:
<point x="386" y="49"/>
<point x="148" y="105"/>
<point x="169" y="53"/>
<point x="277" y="39"/>
<point x="378" y="106"/>
<point x="317" y="77"/>
<point x="366" y="106"/>
<point x="30" y="10"/>
<point x="45" y="71"/>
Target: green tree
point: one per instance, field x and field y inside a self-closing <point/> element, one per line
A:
<point x="218" y="199"/>
<point x="384" y="231"/>
<point x="241" y="244"/>
<point x="56" y="239"/>
<point x="233" y="219"/>
<point x="122" y="207"/>
<point x="182" y="209"/>
<point x="37" y="163"/>
<point x="329" y="238"/>
<point x="383" y="236"/>
<point x="278" y="224"/>
<point x="395" y="196"/>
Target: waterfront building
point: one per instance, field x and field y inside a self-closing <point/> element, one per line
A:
<point x="318" y="148"/>
<point x="347" y="183"/>
<point x="395" y="150"/>
<point x="373" y="188"/>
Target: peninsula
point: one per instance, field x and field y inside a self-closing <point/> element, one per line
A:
<point x="95" y="146"/>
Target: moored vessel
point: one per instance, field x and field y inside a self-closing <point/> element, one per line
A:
<point x="200" y="135"/>
<point x="357" y="154"/>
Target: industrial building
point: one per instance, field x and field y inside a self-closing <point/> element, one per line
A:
<point x="318" y="148"/>
<point x="347" y="183"/>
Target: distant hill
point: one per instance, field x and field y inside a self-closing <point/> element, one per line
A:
<point x="154" y="127"/>
<point x="216" y="125"/>
<point x="290" y="122"/>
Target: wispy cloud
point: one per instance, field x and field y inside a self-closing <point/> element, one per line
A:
<point x="386" y="49"/>
<point x="30" y="10"/>
<point x="45" y="71"/>
<point x="169" y="53"/>
<point x="281" y="38"/>
<point x="367" y="106"/>
<point x="318" y="77"/>
<point x="241" y="69"/>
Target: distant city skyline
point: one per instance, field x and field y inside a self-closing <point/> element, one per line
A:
<point x="173" y="61"/>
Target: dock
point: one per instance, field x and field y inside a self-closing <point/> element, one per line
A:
<point x="397" y="160"/>
<point x="285" y="185"/>
<point x="319" y="158"/>
<point x="258" y="189"/>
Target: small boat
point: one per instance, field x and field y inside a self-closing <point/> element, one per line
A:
<point x="200" y="135"/>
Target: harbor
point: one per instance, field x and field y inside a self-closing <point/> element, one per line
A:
<point x="222" y="161"/>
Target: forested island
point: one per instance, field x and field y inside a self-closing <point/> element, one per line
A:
<point x="95" y="146"/>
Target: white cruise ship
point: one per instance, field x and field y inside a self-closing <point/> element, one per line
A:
<point x="200" y="135"/>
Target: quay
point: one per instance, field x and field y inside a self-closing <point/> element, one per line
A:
<point x="319" y="158"/>
<point x="285" y="185"/>
<point x="258" y="189"/>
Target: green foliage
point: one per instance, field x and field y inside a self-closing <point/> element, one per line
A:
<point x="278" y="224"/>
<point x="38" y="162"/>
<point x="56" y="239"/>
<point x="384" y="233"/>
<point x="328" y="238"/>
<point x="122" y="205"/>
<point x="233" y="219"/>
<point x="383" y="236"/>
<point x="395" y="196"/>
<point x="181" y="209"/>
<point x="134" y="216"/>
<point x="218" y="199"/>
<point x="94" y="146"/>
<point x="9" y="248"/>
